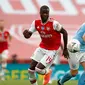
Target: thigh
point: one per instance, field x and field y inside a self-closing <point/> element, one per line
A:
<point x="33" y="64"/>
<point x="38" y="54"/>
<point x="73" y="61"/>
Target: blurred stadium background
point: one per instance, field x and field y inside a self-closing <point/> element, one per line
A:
<point x="18" y="15"/>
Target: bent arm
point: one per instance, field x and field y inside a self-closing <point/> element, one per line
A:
<point x="65" y="39"/>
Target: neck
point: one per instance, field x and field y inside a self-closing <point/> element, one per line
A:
<point x="45" y="21"/>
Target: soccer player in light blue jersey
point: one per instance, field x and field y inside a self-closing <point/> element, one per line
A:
<point x="76" y="58"/>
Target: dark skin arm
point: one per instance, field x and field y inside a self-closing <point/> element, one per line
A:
<point x="27" y="34"/>
<point x="65" y="39"/>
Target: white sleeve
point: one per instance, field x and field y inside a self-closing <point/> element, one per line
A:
<point x="57" y="26"/>
<point x="32" y="28"/>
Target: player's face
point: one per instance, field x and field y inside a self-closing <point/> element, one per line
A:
<point x="1" y="25"/>
<point x="44" y="13"/>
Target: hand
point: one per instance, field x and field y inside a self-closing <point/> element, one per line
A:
<point x="26" y="34"/>
<point x="65" y="53"/>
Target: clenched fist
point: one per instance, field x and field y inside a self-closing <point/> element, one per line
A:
<point x="27" y="34"/>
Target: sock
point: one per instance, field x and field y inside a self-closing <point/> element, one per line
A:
<point x="3" y="71"/>
<point x="0" y="71"/>
<point x="66" y="77"/>
<point x="82" y="79"/>
<point x="2" y="76"/>
<point x="32" y="77"/>
<point x="0" y="67"/>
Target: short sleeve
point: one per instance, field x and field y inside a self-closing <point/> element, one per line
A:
<point x="32" y="28"/>
<point x="57" y="26"/>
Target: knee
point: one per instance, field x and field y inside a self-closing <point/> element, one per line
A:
<point x="31" y="71"/>
<point x="40" y="71"/>
<point x="74" y="72"/>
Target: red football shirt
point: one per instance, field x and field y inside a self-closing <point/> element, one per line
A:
<point x="3" y="41"/>
<point x="49" y="33"/>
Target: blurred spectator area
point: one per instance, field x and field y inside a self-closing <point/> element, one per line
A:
<point x="25" y="61"/>
<point x="19" y="61"/>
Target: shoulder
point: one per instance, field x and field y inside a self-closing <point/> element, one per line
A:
<point x="55" y="22"/>
<point x="36" y="21"/>
<point x="57" y="26"/>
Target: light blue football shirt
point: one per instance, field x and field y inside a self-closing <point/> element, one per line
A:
<point x="79" y="35"/>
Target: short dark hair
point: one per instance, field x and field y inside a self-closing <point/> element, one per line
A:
<point x="44" y="7"/>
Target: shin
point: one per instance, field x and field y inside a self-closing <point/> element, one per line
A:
<point x="32" y="76"/>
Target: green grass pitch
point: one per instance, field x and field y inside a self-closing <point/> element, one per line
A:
<point x="26" y="82"/>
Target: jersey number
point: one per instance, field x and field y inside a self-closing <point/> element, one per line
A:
<point x="49" y="59"/>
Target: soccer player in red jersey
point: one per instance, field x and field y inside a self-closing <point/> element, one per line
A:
<point x="4" y="38"/>
<point x="50" y="32"/>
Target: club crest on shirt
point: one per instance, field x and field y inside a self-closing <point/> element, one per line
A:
<point x="42" y="27"/>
